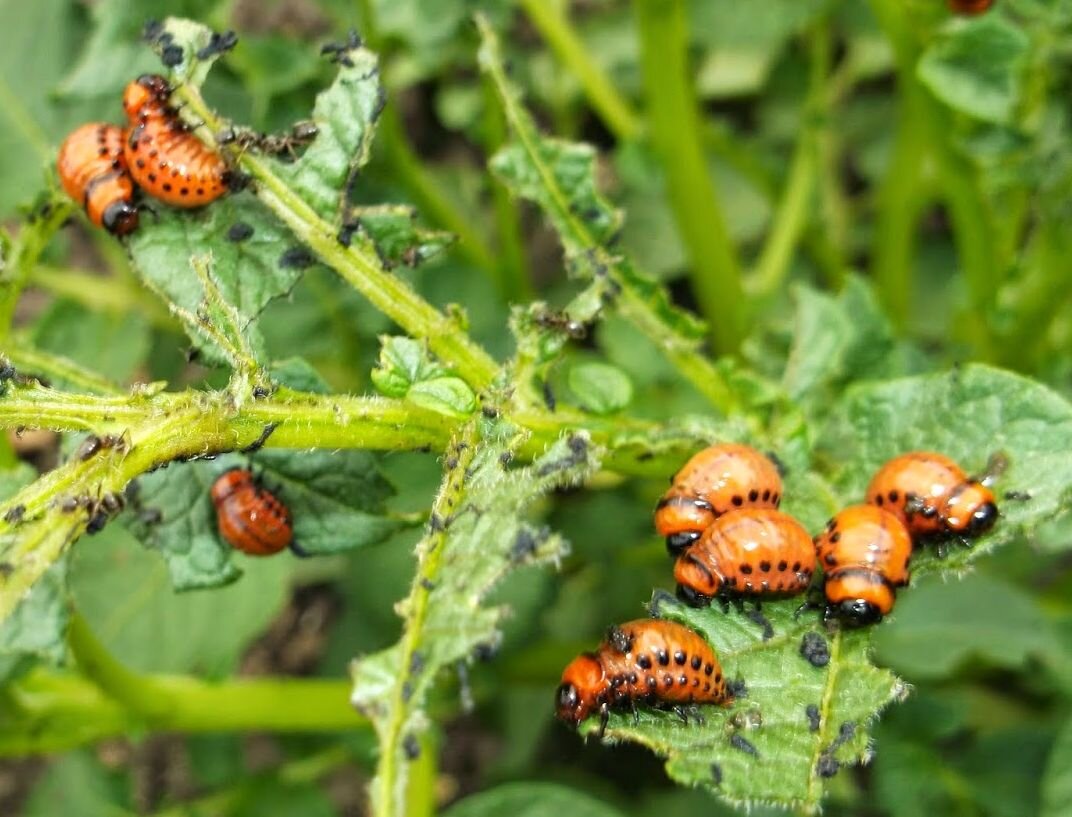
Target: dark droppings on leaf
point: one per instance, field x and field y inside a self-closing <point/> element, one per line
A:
<point x="296" y="258"/>
<point x="152" y="30"/>
<point x="219" y="43"/>
<point x="6" y="569"/>
<point x="737" y="687"/>
<point x="486" y="651"/>
<point x="811" y="712"/>
<point x="435" y="523"/>
<point x="827" y="765"/>
<point x="524" y="545"/>
<point x="743" y="745"/>
<point x="407" y="690"/>
<point x="14" y="514"/>
<point x="411" y="747"/>
<point x="171" y="55"/>
<point x="427" y="584"/>
<point x="260" y="392"/>
<point x="345" y="236"/>
<point x="716" y="775"/>
<point x="239" y="231"/>
<point x="548" y="396"/>
<point x="505" y="458"/>
<point x="658" y="599"/>
<point x="815" y="649"/>
<point x="416" y="662"/>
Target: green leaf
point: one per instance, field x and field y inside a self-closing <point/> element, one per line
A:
<point x="600" y="387"/>
<point x="94" y="340"/>
<point x="531" y="800"/>
<point x="968" y="414"/>
<point x="248" y="273"/>
<point x="782" y="760"/>
<point x="404" y="362"/>
<point x="77" y="783"/>
<point x="939" y="626"/>
<point x="298" y="374"/>
<point x="477" y="534"/>
<point x="407" y="369"/>
<point x="336" y="500"/>
<point x="836" y="338"/>
<point x="398" y="239"/>
<point x="1057" y="781"/>
<point x="978" y="67"/>
<point x="125" y="594"/>
<point x="447" y="395"/>
<point x="38" y="626"/>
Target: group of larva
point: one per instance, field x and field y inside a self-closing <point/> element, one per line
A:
<point x="721" y="521"/>
<point x="102" y="166"/>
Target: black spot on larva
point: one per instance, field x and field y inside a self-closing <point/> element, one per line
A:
<point x="744" y="745"/>
<point x="679" y="657"/>
<point x="815" y="649"/>
<point x="239" y="231"/>
<point x="738" y="500"/>
<point x="662" y="656"/>
<point x="879" y="500"/>
<point x="633" y="678"/>
<point x="811" y="712"/>
<point x="796" y="567"/>
<point x="835" y="538"/>
<point x="753" y="495"/>
<point x="830" y="559"/>
<point x="296" y="258"/>
<point x="683" y="680"/>
<point x="766" y="494"/>
<point x="167" y="187"/>
<point x="764" y="566"/>
<point x="643" y="662"/>
<point x="668" y="680"/>
<point x="651" y="682"/>
<point x="738" y="688"/>
<point x="708" y="669"/>
<point x="697" y="662"/>
<point x="782" y="565"/>
<point x="894" y="496"/>
<point x="746" y="569"/>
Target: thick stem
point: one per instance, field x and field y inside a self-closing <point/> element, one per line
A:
<point x="554" y="26"/>
<point x="674" y="124"/>
<point x="358" y="265"/>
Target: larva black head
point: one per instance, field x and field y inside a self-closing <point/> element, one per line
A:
<point x="677" y="542"/>
<point x="120" y="218"/>
<point x="692" y="597"/>
<point x="982" y="519"/>
<point x="855" y="613"/>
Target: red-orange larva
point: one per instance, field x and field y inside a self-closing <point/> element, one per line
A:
<point x="934" y="497"/>
<point x="164" y="157"/>
<point x="865" y="553"/>
<point x="250" y="518"/>
<point x="93" y="171"/>
<point x="721" y="478"/>
<point x="650" y="661"/>
<point x="970" y="7"/>
<point x="750" y="552"/>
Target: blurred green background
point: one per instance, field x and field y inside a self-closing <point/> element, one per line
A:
<point x="928" y="153"/>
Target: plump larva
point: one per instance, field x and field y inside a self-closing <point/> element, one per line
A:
<point x="970" y="7"/>
<point x="865" y="552"/>
<point x="250" y="518"/>
<point x="648" y="660"/>
<point x="721" y="478"/>
<point x="933" y="496"/>
<point x="164" y="157"/>
<point x="751" y="552"/>
<point x="93" y="171"/>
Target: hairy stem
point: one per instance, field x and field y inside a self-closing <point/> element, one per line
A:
<point x="29" y="360"/>
<point x="358" y="265"/>
<point x="674" y="124"/>
<point x="554" y="26"/>
<point x="389" y="793"/>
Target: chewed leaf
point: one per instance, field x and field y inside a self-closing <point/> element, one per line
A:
<point x="255" y="258"/>
<point x="336" y="502"/>
<point x="969" y="414"/>
<point x="804" y="700"/>
<point x="396" y="235"/>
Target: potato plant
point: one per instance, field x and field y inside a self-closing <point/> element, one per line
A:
<point x="488" y="275"/>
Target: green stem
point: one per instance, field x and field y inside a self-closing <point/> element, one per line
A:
<point x="103" y="293"/>
<point x="421" y="780"/>
<point x="674" y="124"/>
<point x="550" y="20"/>
<point x="517" y="283"/>
<point x="23" y="253"/>
<point x="793" y="212"/>
<point x="389" y="785"/>
<point x="48" y="712"/>
<point x="358" y="265"/>
<point x="32" y="361"/>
